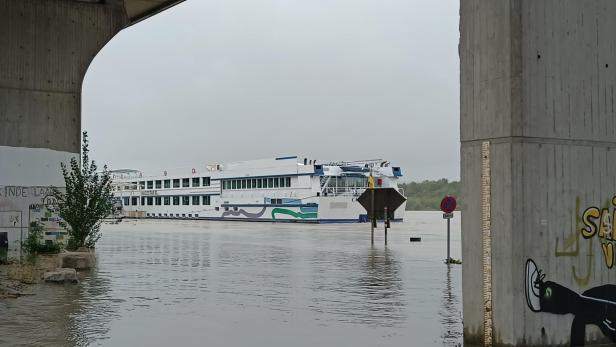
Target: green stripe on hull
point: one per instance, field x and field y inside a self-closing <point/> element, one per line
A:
<point x="302" y="215"/>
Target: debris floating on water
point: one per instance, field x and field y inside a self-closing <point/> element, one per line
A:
<point x="453" y="261"/>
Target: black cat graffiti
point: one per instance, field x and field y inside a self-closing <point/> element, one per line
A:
<point x="596" y="306"/>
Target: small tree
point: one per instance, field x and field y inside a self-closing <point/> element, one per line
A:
<point x="86" y="200"/>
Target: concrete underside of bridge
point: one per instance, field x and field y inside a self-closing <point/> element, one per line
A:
<point x="46" y="47"/>
<point x="538" y="82"/>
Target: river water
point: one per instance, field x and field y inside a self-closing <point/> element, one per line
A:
<point x="200" y="283"/>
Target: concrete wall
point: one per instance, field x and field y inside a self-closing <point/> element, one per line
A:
<point x="538" y="82"/>
<point x="46" y="47"/>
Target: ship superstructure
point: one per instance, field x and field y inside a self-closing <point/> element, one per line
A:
<point x="290" y="189"/>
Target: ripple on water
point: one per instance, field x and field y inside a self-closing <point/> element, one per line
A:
<point x="256" y="284"/>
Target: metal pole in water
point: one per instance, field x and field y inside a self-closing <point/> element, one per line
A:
<point x="448" y="205"/>
<point x="385" y="223"/>
<point x="372" y="220"/>
<point x="448" y="246"/>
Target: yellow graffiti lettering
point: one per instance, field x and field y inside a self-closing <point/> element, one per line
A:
<point x="605" y="229"/>
<point x="608" y="254"/>
<point x="599" y="222"/>
<point x="613" y="217"/>
<point x="588" y="217"/>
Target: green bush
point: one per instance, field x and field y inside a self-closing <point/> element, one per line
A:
<point x="34" y="245"/>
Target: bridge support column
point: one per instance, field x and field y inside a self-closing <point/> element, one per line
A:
<point x="45" y="49"/>
<point x="538" y="84"/>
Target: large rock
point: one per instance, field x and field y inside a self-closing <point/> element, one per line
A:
<point x="77" y="260"/>
<point x="61" y="276"/>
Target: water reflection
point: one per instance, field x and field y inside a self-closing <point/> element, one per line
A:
<point x="257" y="275"/>
<point x="450" y="315"/>
<point x="89" y="316"/>
<point x="362" y="288"/>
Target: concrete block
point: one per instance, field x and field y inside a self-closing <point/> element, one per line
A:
<point x="77" y="260"/>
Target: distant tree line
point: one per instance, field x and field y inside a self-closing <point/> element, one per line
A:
<point x="427" y="195"/>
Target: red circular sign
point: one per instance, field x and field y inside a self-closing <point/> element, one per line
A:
<point x="448" y="204"/>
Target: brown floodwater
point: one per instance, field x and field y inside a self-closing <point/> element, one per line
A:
<point x="198" y="283"/>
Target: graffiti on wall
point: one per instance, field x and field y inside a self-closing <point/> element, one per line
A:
<point x="21" y="205"/>
<point x="571" y="248"/>
<point x="596" y="306"/>
<point x="24" y="192"/>
<point x="598" y="225"/>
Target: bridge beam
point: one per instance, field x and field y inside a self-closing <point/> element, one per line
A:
<point x="538" y="84"/>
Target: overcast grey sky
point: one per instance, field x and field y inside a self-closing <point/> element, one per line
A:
<point x="223" y="80"/>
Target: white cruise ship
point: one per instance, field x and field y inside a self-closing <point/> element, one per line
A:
<point x="287" y="189"/>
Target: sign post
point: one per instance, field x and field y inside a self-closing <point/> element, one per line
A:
<point x="372" y="219"/>
<point x="386" y="222"/>
<point x="448" y="205"/>
<point x="380" y="203"/>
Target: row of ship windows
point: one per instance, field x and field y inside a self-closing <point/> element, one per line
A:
<point x="257" y="183"/>
<point x="194" y="200"/>
<point x="176" y="183"/>
<point x="190" y="215"/>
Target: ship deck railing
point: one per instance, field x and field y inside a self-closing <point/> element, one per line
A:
<point x="347" y="191"/>
<point x="343" y="191"/>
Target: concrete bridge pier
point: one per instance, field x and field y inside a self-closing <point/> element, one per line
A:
<point x="46" y="47"/>
<point x="538" y="132"/>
